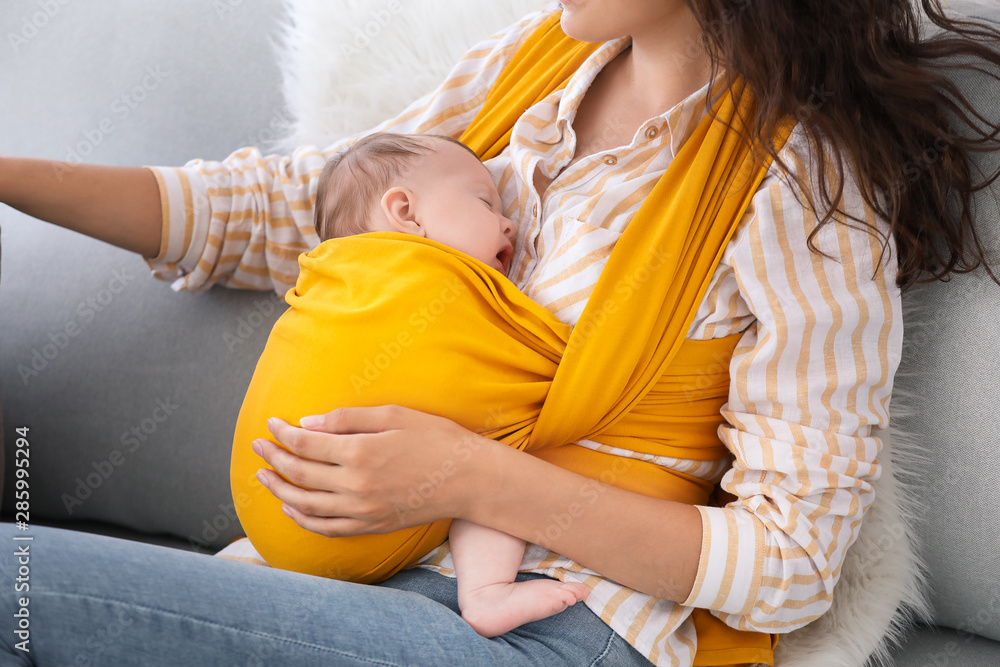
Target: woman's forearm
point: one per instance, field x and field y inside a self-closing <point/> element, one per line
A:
<point x="373" y="470"/>
<point x="644" y="543"/>
<point x="119" y="205"/>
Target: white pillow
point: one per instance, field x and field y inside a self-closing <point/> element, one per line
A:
<point x="347" y="65"/>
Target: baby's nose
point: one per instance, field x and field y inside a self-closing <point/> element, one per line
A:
<point x="509" y="227"/>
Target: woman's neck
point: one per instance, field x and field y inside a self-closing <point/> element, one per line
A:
<point x="667" y="62"/>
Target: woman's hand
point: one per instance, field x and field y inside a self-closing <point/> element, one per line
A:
<point x="373" y="470"/>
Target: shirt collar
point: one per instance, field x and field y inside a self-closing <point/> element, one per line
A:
<point x="680" y="121"/>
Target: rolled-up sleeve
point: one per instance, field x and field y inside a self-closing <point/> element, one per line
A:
<point x="242" y="222"/>
<point x="810" y="379"/>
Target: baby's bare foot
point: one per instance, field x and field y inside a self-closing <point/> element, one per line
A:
<point x="498" y="608"/>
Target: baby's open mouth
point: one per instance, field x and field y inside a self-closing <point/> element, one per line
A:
<point x="504" y="256"/>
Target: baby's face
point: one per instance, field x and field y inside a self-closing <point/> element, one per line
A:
<point x="458" y="205"/>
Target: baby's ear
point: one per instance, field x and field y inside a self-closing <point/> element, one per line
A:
<point x="398" y="207"/>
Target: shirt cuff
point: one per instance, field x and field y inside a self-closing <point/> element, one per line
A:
<point x="732" y="561"/>
<point x="184" y="232"/>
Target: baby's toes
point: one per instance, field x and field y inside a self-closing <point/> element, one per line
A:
<point x="574" y="592"/>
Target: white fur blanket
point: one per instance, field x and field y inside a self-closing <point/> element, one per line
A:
<point x="349" y="64"/>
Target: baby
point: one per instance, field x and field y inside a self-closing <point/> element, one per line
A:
<point x="436" y="187"/>
<point x="426" y="185"/>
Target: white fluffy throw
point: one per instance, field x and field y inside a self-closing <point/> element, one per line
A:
<point x="349" y="64"/>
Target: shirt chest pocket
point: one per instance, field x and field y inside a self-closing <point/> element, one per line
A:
<point x="571" y="255"/>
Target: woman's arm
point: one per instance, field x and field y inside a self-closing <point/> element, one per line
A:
<point x="645" y="543"/>
<point x="119" y="205"/>
<point x="374" y="470"/>
<point x="242" y="222"/>
<point x="810" y="380"/>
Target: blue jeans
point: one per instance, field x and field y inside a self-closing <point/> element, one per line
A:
<point x="100" y="601"/>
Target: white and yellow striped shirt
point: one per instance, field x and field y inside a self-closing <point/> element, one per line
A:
<point x="811" y="377"/>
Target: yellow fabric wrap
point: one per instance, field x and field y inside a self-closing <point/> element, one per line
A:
<point x="387" y="318"/>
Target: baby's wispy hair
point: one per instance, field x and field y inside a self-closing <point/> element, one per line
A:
<point x="353" y="180"/>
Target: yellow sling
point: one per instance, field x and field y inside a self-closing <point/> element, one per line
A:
<point x="387" y="318"/>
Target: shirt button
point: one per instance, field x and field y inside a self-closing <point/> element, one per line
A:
<point x="610" y="160"/>
<point x="534" y="211"/>
<point x="652" y="132"/>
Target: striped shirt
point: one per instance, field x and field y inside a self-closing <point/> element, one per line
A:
<point x="810" y="378"/>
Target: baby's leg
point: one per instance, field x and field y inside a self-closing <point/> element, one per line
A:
<point x="486" y="563"/>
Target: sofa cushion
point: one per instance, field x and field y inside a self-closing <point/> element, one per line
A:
<point x="942" y="647"/>
<point x="950" y="366"/>
<point x="132" y="407"/>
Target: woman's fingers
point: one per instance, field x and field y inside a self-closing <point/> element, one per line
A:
<point x="308" y="443"/>
<point x="323" y="446"/>
<point x="316" y="503"/>
<point x="313" y="510"/>
<point x="359" y="420"/>
<point x="321" y="504"/>
<point x="319" y="489"/>
<point x="374" y="469"/>
<point x="297" y="469"/>
<point x="328" y="526"/>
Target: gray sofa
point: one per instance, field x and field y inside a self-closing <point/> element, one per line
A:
<point x="130" y="391"/>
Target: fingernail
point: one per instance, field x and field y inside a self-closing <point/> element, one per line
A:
<point x="311" y="421"/>
<point x="256" y="447"/>
<point x="272" y="423"/>
<point x="262" y="478"/>
<point x="287" y="510"/>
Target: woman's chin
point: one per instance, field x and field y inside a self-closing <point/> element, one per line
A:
<point x="577" y="23"/>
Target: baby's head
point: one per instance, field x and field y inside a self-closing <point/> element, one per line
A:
<point x="428" y="185"/>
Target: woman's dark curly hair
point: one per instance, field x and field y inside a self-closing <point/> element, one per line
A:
<point x="866" y="83"/>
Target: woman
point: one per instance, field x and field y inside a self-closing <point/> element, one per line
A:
<point x="579" y="165"/>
